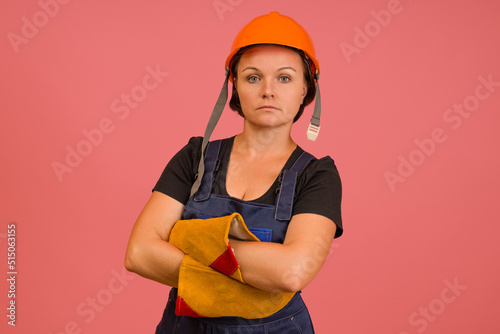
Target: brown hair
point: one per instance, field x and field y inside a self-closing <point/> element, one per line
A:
<point x="234" y="103"/>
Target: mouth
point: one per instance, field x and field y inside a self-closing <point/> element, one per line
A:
<point x="268" y="107"/>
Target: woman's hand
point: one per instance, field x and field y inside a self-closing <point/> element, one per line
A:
<point x="290" y="266"/>
<point x="148" y="252"/>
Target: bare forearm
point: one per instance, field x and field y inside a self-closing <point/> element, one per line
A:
<point x="156" y="260"/>
<point x="290" y="266"/>
<point x="271" y="266"/>
<point x="148" y="253"/>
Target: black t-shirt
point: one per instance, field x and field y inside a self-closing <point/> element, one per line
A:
<point x="319" y="189"/>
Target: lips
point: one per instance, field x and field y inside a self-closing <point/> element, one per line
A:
<point x="268" y="107"/>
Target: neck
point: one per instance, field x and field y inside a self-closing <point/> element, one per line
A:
<point x="264" y="142"/>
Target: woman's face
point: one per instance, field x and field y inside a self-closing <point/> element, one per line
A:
<point x="271" y="85"/>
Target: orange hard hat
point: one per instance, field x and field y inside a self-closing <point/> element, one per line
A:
<point x="274" y="28"/>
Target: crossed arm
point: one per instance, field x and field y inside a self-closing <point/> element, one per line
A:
<point x="268" y="266"/>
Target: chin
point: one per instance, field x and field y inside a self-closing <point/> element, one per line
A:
<point x="268" y="123"/>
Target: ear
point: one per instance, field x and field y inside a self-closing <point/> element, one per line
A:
<point x="304" y="92"/>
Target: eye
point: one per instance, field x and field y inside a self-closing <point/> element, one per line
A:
<point x="252" y="78"/>
<point x="284" y="79"/>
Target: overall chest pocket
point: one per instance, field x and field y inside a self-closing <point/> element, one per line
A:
<point x="264" y="234"/>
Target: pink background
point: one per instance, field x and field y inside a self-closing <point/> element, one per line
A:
<point x="405" y="242"/>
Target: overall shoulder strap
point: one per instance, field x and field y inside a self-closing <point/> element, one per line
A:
<point x="210" y="161"/>
<point x="284" y="200"/>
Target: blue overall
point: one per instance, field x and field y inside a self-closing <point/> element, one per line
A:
<point x="268" y="223"/>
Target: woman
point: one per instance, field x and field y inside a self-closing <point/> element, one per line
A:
<point x="288" y="199"/>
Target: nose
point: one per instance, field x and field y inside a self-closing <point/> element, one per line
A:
<point x="268" y="89"/>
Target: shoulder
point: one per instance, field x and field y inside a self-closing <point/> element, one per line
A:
<point x="194" y="143"/>
<point x="326" y="163"/>
<point x="190" y="154"/>
<point x="324" y="168"/>
<point x="320" y="177"/>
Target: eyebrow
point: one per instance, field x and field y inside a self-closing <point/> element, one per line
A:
<point x="279" y="69"/>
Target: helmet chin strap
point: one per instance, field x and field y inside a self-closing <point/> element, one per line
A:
<point x="314" y="125"/>
<point x="312" y="132"/>
<point x="212" y="122"/>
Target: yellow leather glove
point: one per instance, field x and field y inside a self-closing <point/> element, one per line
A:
<point x="205" y="292"/>
<point x="207" y="241"/>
